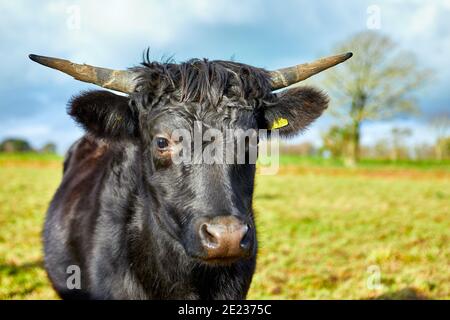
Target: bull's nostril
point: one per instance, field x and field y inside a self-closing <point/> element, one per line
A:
<point x="208" y="238"/>
<point x="245" y="242"/>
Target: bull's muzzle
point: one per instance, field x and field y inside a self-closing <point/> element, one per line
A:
<point x="225" y="238"/>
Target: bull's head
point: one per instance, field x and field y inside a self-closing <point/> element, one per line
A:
<point x="207" y="207"/>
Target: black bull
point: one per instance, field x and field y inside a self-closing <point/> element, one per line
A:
<point x="138" y="226"/>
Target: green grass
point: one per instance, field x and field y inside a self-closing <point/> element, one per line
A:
<point x="29" y="156"/>
<point x="24" y="196"/>
<point x="320" y="230"/>
<point x="320" y="234"/>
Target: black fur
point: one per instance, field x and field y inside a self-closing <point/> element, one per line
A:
<point x="125" y="214"/>
<point x="104" y="114"/>
<point x="300" y="106"/>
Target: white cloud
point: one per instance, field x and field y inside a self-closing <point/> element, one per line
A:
<point x="420" y="26"/>
<point x="45" y="128"/>
<point x="421" y="133"/>
<point x="423" y="19"/>
<point x="114" y="33"/>
<point x="106" y="29"/>
<point x="34" y="130"/>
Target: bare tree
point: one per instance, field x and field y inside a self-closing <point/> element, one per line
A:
<point x="399" y="148"/>
<point x="441" y="125"/>
<point x="379" y="82"/>
<point x="336" y="141"/>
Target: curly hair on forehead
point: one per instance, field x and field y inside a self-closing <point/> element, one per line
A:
<point x="202" y="81"/>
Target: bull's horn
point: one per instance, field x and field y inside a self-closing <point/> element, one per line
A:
<point x="119" y="80"/>
<point x="282" y="78"/>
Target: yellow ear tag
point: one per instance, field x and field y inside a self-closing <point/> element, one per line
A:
<point x="279" y="123"/>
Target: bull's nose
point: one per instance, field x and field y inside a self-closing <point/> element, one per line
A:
<point x="225" y="238"/>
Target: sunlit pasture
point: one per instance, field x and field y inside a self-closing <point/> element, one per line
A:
<point x="325" y="231"/>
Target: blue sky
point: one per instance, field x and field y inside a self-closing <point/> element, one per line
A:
<point x="268" y="34"/>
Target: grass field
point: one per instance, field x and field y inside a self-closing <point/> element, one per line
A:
<point x="325" y="231"/>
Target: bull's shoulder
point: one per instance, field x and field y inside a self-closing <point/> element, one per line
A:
<point x="85" y="153"/>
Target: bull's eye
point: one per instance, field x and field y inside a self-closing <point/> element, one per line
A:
<point x="162" y="143"/>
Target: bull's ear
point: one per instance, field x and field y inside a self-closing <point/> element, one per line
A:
<point x="294" y="109"/>
<point x="105" y="114"/>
